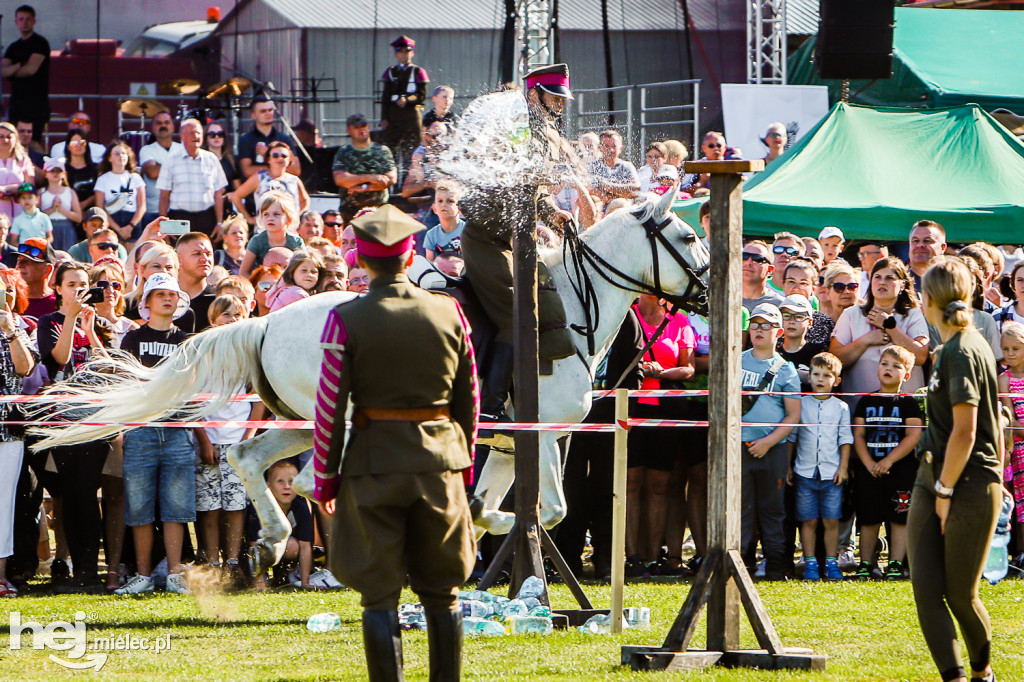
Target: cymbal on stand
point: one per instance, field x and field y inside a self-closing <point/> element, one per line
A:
<point x="179" y="86"/>
<point x="232" y="87"/>
<point x="142" y="107"/>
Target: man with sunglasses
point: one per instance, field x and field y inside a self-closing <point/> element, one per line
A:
<point x="785" y="248"/>
<point x="36" y="262"/>
<point x="713" y="148"/>
<point x="102" y="243"/>
<point x="757" y="267"/>
<point x="80" y="121"/>
<point x="93" y="222"/>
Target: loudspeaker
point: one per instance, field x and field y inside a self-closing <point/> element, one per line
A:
<point x="855" y="39"/>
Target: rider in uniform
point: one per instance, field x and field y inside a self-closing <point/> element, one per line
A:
<point x="398" y="498"/>
<point x="487" y="240"/>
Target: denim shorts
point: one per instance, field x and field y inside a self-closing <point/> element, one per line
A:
<point x="818" y="499"/>
<point x="159" y="463"/>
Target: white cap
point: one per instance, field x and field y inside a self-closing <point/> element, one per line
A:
<point x="669" y="171"/>
<point x="797" y="303"/>
<point x="831" y="231"/>
<point x="163" y="282"/>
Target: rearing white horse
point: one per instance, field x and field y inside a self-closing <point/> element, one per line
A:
<point x="647" y="248"/>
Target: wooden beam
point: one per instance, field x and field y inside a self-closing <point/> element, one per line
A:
<point x="528" y="560"/>
<point x="765" y="632"/>
<point x="681" y="632"/>
<point x="724" y="373"/>
<point x="725" y="167"/>
<point x="619" y="464"/>
<point x="551" y="549"/>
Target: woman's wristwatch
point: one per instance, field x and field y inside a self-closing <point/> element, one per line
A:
<point x="941" y="491"/>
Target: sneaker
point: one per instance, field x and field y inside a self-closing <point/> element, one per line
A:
<point x="324" y="579"/>
<point x="176" y="584"/>
<point x="759" y="571"/>
<point x="811" y="571"/>
<point x="137" y="584"/>
<point x="896" y="571"/>
<point x="863" y="571"/>
<point x="877" y="573"/>
<point x="832" y="571"/>
<point x="7" y="589"/>
<point x="846" y="561"/>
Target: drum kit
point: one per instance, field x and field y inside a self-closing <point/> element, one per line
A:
<point x="209" y="103"/>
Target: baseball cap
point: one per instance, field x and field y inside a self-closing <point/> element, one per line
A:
<point x="831" y="231"/>
<point x="95" y="213"/>
<point x="356" y="120"/>
<point x="26" y="188"/>
<point x="37" y="250"/>
<point x="54" y="164"/>
<point x="767" y="312"/>
<point x="163" y="282"/>
<point x="796" y="303"/>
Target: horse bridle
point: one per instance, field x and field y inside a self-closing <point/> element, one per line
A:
<point x="583" y="255"/>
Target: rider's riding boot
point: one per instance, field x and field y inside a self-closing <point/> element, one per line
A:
<point x="444" y="636"/>
<point x="383" y="641"/>
<point x="497" y="382"/>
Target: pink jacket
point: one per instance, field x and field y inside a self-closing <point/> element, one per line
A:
<point x="284" y="294"/>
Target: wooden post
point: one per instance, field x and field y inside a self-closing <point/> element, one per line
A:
<point x="619" y="507"/>
<point x="722" y="585"/>
<point x="528" y="559"/>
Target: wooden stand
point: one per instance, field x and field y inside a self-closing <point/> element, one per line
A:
<point x="528" y="538"/>
<point x="723" y="584"/>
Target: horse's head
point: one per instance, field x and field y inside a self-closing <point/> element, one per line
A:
<point x="675" y="266"/>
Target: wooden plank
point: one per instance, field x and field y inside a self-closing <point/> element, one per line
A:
<point x="528" y="559"/>
<point x="766" y="661"/>
<point x="724" y="373"/>
<point x="620" y="463"/>
<point x="551" y="549"/>
<point x="647" y="658"/>
<point x="765" y="632"/>
<point x="490" y="576"/>
<point x="725" y="167"/>
<point x="577" y="617"/>
<point x="681" y="632"/>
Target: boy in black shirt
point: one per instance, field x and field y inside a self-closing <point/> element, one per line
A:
<point x="884" y="471"/>
<point x="793" y="344"/>
<point x="159" y="463"/>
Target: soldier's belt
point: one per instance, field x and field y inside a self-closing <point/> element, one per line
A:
<point x="362" y="416"/>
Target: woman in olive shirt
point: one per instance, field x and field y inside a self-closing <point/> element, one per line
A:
<point x="956" y="499"/>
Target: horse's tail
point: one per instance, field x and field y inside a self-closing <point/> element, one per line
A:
<point x="217" y="362"/>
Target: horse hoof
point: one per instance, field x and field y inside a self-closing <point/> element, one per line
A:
<point x="262" y="557"/>
<point x="495" y="522"/>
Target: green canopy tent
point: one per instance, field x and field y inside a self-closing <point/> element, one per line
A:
<point x="941" y="58"/>
<point x="873" y="172"/>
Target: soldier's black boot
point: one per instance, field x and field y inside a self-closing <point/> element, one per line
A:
<point x="383" y="642"/>
<point x="444" y="636"/>
<point x="497" y="381"/>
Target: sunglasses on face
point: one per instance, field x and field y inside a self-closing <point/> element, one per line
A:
<point x="839" y="287"/>
<point x="215" y="133"/>
<point x="332" y="224"/>
<point x="756" y="257"/>
<point x="712" y="145"/>
<point x="774" y="135"/>
<point x="788" y="250"/>
<point x="31" y="251"/>
<point x="264" y="286"/>
<point x="80" y="121"/>
<point x="763" y="325"/>
<point x="104" y="246"/>
<point x="278" y="155"/>
<point x="866" y="254"/>
<point x="104" y="284"/>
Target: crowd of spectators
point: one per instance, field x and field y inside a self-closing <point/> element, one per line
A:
<point x="91" y="268"/>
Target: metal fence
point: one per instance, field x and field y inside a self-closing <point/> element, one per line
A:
<point x="591" y="111"/>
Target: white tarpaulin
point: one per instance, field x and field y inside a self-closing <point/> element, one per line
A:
<point x="750" y="109"/>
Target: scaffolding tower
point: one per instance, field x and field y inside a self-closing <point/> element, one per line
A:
<point x="766" y="42"/>
<point x="536" y="34"/>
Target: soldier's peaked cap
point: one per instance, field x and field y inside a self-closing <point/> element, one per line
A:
<point x="386" y="232"/>
<point x="553" y="79"/>
<point x="403" y="41"/>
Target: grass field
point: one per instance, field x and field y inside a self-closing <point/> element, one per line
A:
<point x="868" y="632"/>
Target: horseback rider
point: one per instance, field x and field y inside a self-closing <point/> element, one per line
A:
<point x="487" y="240"/>
<point x="398" y="499"/>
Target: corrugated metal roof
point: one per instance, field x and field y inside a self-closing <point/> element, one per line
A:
<point x="802" y="17"/>
<point x="630" y="15"/>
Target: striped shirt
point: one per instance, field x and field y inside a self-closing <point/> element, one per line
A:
<point x="192" y="181"/>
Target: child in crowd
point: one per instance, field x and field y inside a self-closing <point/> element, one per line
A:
<point x="300" y="279"/>
<point x="820" y="468"/>
<point x="765" y="460"/>
<point x="220" y="495"/>
<point x="60" y="202"/>
<point x="159" y="463"/>
<point x="31" y="223"/>
<point x="322" y="246"/>
<point x="299" y="550"/>
<point x="1012" y="381"/>
<point x="886" y="428"/>
<point x="793" y="345"/>
<point x="443" y="97"/>
<point x="446" y="235"/>
<point x="276" y="220"/>
<point x="239" y="286"/>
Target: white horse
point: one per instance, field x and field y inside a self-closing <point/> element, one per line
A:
<point x="279" y="355"/>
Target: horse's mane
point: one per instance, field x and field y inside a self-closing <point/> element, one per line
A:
<point x="553" y="255"/>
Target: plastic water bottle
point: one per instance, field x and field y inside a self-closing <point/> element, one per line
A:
<point x="532" y="587"/>
<point x="472" y="608"/>
<point x="410" y="617"/>
<point x="531" y="602"/>
<point x="516" y="607"/>
<point x="537" y="625"/>
<point x="480" y="595"/>
<point x="481" y="626"/>
<point x="540" y="610"/>
<point x="601" y="624"/>
<point x="998" y="558"/>
<point x="323" y="622"/>
<point x="638" y="617"/>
